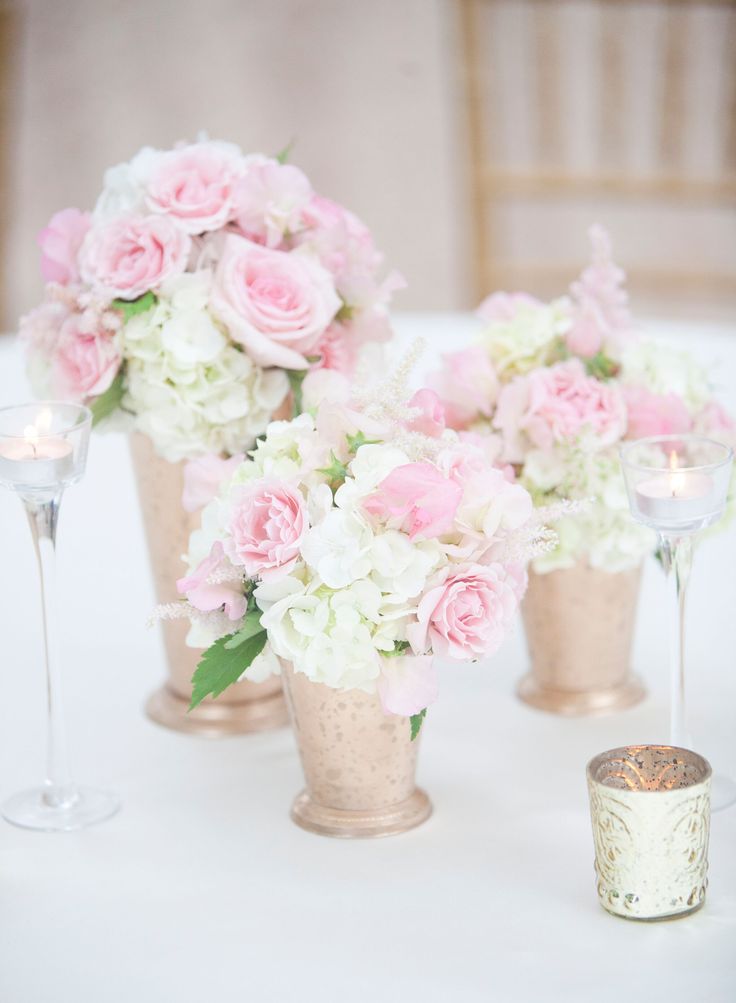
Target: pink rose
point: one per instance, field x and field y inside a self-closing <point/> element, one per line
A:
<point x="654" y="414"/>
<point x="195" y="185"/>
<point x="431" y="419"/>
<point x="269" y="201"/>
<point x="418" y="499"/>
<point x="203" y="477"/>
<point x="556" y="404"/>
<point x="267" y="524"/>
<point x="467" y="386"/>
<point x="342" y="241"/>
<point x="466" y="611"/>
<point x="84" y="362"/>
<point x="716" y="422"/>
<point x="131" y="254"/>
<point x="276" y="304"/>
<point x="60" y="241"/>
<point x="407" y="684"/>
<point x="503" y="306"/>
<point x="206" y="596"/>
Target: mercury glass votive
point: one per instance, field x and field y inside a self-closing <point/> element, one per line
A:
<point x="650" y="808"/>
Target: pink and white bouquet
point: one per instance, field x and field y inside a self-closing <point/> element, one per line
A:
<point x="357" y="542"/>
<point x="554" y="388"/>
<point x="201" y="284"/>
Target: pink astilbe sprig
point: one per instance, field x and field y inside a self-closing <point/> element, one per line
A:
<point x="600" y="301"/>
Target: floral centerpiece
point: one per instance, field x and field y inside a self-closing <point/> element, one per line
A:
<point x="202" y="287"/>
<point x="555" y="388"/>
<point x="350" y="547"/>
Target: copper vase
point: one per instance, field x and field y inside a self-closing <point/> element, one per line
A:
<point x="359" y="763"/>
<point x="579" y="626"/>
<point x="243" y="707"/>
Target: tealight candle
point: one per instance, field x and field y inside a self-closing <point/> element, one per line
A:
<point x="675" y="496"/>
<point x="37" y="460"/>
<point x="650" y="808"/>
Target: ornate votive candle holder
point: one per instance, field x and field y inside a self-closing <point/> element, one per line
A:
<point x="650" y="808"/>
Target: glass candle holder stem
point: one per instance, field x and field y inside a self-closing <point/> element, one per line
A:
<point x="677" y="558"/>
<point x="43" y="515"/>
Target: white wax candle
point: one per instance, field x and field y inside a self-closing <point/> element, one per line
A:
<point x="35" y="461"/>
<point x="680" y="496"/>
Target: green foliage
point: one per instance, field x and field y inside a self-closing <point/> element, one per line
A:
<point x="400" y="648"/>
<point x="108" y="402"/>
<point x="602" y="367"/>
<point x="221" y="666"/>
<point x="283" y="155"/>
<point x="296" y="378"/>
<point x="250" y="628"/>
<point x="336" y="472"/>
<point x="129" y="308"/>
<point x="416" y="721"/>
<point x="358" y="440"/>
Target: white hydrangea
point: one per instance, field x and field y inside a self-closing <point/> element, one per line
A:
<point x="661" y="369"/>
<point x="290" y="451"/>
<point x="191" y="391"/>
<point x="526" y="339"/>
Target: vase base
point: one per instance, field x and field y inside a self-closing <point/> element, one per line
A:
<point x="344" y="824"/>
<point x="578" y="703"/>
<point x="217" y="720"/>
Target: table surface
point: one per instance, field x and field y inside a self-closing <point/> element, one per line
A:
<point x="202" y="890"/>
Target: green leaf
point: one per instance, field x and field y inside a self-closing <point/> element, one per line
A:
<point x="108" y="402"/>
<point x="250" y="628"/>
<point x="345" y="313"/>
<point x="416" y="721"/>
<point x="129" y="308"/>
<point x="358" y="440"/>
<point x="336" y="472"/>
<point x="296" y="378"/>
<point x="219" y="667"/>
<point x="602" y="367"/>
<point x="283" y="155"/>
<point x="400" y="649"/>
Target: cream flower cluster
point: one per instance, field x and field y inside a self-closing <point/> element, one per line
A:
<point x="557" y="387"/>
<point x="361" y="559"/>
<point x="201" y="277"/>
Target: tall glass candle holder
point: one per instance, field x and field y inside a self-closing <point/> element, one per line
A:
<point x="678" y="486"/>
<point x="43" y="449"/>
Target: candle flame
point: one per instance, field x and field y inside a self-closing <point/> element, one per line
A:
<point x="674" y="463"/>
<point x="677" y="478"/>
<point x="30" y="433"/>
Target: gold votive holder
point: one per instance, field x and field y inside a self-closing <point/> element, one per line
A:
<point x="650" y="809"/>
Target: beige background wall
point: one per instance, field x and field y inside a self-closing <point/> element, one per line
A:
<point x="469" y="134"/>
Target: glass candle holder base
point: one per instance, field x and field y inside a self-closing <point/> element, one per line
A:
<point x="32" y="809"/>
<point x="723" y="792"/>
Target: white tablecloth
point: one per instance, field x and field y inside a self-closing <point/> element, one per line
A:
<point x="202" y="890"/>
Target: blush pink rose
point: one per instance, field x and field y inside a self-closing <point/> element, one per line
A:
<point x="654" y="414"/>
<point x="556" y="404"/>
<point x="418" y="499"/>
<point x="195" y="185"/>
<point x="204" y="595"/>
<point x="84" y="362"/>
<point x="716" y="422"/>
<point x="407" y="684"/>
<point x="203" y="477"/>
<point x="466" y="612"/>
<point x="503" y="306"/>
<point x="60" y="242"/>
<point x="276" y="304"/>
<point x="130" y="255"/>
<point x="467" y="385"/>
<point x="431" y="418"/>
<point x="266" y="528"/>
<point x="270" y="198"/>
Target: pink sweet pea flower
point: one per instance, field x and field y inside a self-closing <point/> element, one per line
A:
<point x="207" y="597"/>
<point x="654" y="414"/>
<point x="467" y="386"/>
<point x="431" y="420"/>
<point x="418" y="499"/>
<point x="503" y="306"/>
<point x="60" y="242"/>
<point x="267" y="524"/>
<point x="203" y="477"/>
<point x="277" y="304"/>
<point x="407" y="684"/>
<point x="194" y="185"/>
<point x="270" y="198"/>
<point x="85" y="362"/>
<point x="466" y="611"/>
<point x="130" y="255"/>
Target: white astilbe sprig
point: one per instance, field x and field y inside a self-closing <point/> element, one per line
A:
<point x="536" y="536"/>
<point x="388" y="400"/>
<point x="215" y="621"/>
<point x="225" y="575"/>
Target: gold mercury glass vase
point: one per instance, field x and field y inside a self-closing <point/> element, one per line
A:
<point x="243" y="707"/>
<point x="359" y="764"/>
<point x="579" y="625"/>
